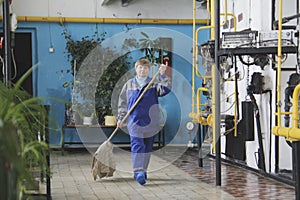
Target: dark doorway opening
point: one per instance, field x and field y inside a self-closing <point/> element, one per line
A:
<point x="21" y="60"/>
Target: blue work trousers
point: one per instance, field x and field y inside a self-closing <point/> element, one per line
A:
<point x="141" y="149"/>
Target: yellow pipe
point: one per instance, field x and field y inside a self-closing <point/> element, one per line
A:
<point x="234" y="20"/>
<point x="193" y="59"/>
<point x="202" y="89"/>
<point x="225" y="14"/>
<point x="295" y="107"/>
<point x="196" y="50"/>
<point x="208" y="7"/>
<point x="214" y="68"/>
<point x="293" y="133"/>
<point x="197" y="41"/>
<point x="201" y="119"/>
<point x="284" y="113"/>
<point x="197" y="61"/>
<point x="206" y="27"/>
<point x="108" y="20"/>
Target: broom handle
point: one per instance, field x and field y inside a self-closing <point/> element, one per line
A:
<point x="134" y="105"/>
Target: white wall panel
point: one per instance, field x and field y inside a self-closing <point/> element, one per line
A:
<point x="165" y="9"/>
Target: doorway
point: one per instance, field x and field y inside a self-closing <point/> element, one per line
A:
<point x="21" y="60"/>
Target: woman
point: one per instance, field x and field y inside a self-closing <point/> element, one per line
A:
<point x="143" y="121"/>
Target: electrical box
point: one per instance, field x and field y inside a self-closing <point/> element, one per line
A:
<point x="241" y="39"/>
<point x="270" y="38"/>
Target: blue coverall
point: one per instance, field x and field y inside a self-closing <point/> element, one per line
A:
<point x="143" y="122"/>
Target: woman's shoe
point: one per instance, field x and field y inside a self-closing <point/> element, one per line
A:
<point x="141" y="178"/>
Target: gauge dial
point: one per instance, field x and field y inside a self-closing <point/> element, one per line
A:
<point x="190" y="126"/>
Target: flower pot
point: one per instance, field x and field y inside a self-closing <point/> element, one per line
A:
<point x="69" y="115"/>
<point x="87" y="120"/>
<point x="110" y="120"/>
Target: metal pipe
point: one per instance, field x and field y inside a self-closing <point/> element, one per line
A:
<point x="195" y="67"/>
<point x="200" y="119"/>
<point x="296" y="168"/>
<point x="293" y="133"/>
<point x="216" y="90"/>
<point x="197" y="41"/>
<point x="108" y="20"/>
<point x="236" y="104"/>
<point x="193" y="58"/>
<point x="196" y="62"/>
<point x="276" y="139"/>
<point x="7" y="44"/>
<point x="295" y="107"/>
<point x="279" y="55"/>
<point x="197" y="52"/>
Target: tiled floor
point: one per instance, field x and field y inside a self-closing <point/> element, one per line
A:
<point x="172" y="176"/>
<point x="237" y="181"/>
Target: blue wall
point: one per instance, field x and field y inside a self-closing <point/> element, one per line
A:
<point x="51" y="72"/>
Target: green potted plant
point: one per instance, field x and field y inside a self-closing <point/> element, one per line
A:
<point x="97" y="70"/>
<point x="154" y="50"/>
<point x="22" y="117"/>
<point x="107" y="84"/>
<point x="77" y="51"/>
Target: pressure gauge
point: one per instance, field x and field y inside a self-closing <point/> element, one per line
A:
<point x="190" y="126"/>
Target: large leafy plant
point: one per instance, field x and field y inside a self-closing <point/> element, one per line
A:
<point x="77" y="52"/>
<point x="97" y="71"/>
<point x="107" y="84"/>
<point x="22" y="117"/>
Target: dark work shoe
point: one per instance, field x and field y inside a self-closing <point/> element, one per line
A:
<point x="125" y="3"/>
<point x="141" y="178"/>
<point x="137" y="172"/>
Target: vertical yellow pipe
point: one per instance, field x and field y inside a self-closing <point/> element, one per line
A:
<point x="295" y="108"/>
<point x="201" y="89"/>
<point x="197" y="52"/>
<point x="197" y="40"/>
<point x="279" y="65"/>
<point x="212" y="36"/>
<point x="194" y="56"/>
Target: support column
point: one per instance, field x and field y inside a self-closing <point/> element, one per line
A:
<point x="7" y="43"/>
<point x="216" y="94"/>
<point x="296" y="168"/>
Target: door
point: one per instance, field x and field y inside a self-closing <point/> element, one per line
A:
<point x="21" y="59"/>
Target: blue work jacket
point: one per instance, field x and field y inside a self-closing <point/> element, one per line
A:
<point x="144" y="120"/>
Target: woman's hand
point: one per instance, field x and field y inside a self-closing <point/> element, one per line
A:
<point x="162" y="69"/>
<point x="120" y="124"/>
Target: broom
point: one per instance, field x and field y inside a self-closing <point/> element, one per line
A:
<point x="106" y="167"/>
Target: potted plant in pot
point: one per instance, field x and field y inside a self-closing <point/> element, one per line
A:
<point x="154" y="50"/>
<point x="105" y="87"/>
<point x="86" y="111"/>
<point x="97" y="70"/>
<point x="22" y="117"/>
<point x="77" y="51"/>
<point x="98" y="77"/>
